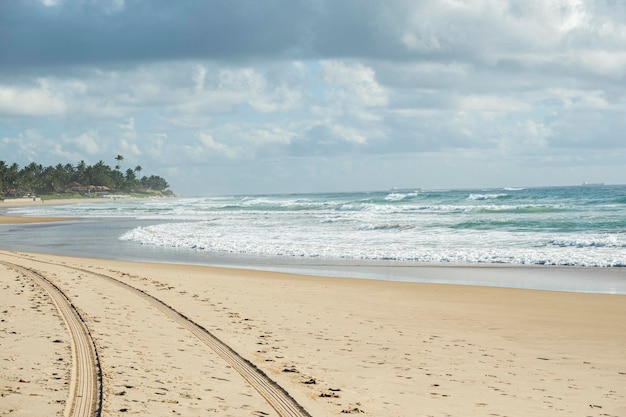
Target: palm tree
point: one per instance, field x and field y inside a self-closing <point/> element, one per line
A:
<point x="34" y="178"/>
<point x="3" y="170"/>
<point x="81" y="169"/>
<point x="118" y="158"/>
<point x="11" y="177"/>
<point x="31" y="176"/>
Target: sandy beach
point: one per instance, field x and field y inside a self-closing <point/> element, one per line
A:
<point x="335" y="346"/>
<point x="36" y="201"/>
<point x="29" y="202"/>
<point x="25" y="202"/>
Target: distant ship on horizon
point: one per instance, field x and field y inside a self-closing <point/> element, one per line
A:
<point x="592" y="184"/>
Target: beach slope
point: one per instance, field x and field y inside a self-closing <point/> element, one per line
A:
<point x="334" y="346"/>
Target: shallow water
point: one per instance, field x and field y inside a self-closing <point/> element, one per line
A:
<point x="99" y="239"/>
<point x="575" y="226"/>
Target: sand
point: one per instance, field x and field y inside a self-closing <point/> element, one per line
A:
<point x="25" y="202"/>
<point x="337" y="346"/>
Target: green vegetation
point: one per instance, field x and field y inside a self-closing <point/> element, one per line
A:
<point x="67" y="181"/>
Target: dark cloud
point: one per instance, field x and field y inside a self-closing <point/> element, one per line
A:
<point x="74" y="32"/>
<point x="80" y="32"/>
<point x="86" y="32"/>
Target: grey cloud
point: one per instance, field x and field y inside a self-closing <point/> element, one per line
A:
<point x="585" y="130"/>
<point x="80" y="32"/>
<point x="76" y="32"/>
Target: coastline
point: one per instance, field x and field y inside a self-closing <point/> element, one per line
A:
<point x="432" y="349"/>
<point x="89" y="238"/>
<point x="26" y="220"/>
<point x="27" y="202"/>
<point x="30" y="202"/>
<point x="24" y="202"/>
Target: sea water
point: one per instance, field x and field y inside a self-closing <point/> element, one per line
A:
<point x="565" y="226"/>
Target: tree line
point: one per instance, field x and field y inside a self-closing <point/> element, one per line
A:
<point x="35" y="179"/>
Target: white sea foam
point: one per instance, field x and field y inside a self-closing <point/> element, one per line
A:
<point x="400" y="196"/>
<point x="446" y="249"/>
<point x="485" y="196"/>
<point x="544" y="226"/>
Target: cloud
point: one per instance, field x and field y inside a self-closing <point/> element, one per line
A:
<point x="493" y="103"/>
<point x="86" y="142"/>
<point x="353" y="84"/>
<point x="401" y="30"/>
<point x="41" y="100"/>
<point x="209" y="144"/>
<point x="239" y="84"/>
<point x="50" y="3"/>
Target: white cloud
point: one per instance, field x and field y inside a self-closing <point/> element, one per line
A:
<point x="86" y="142"/>
<point x="278" y="99"/>
<point x="155" y="146"/>
<point x="425" y="42"/>
<point x="246" y="141"/>
<point x="33" y="146"/>
<point x="211" y="145"/>
<point x="42" y="100"/>
<point x="128" y="125"/>
<point x="27" y="143"/>
<point x="349" y="134"/>
<point x="604" y="63"/>
<point x="266" y="135"/>
<point x="493" y="103"/>
<point x="247" y="85"/>
<point x="353" y="84"/>
<point x="526" y="138"/>
<point x="199" y="78"/>
<point x="128" y="146"/>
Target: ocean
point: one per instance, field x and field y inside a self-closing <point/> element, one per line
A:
<point x="582" y="226"/>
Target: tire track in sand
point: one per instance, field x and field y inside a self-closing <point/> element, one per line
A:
<point x="284" y="404"/>
<point x="85" y="396"/>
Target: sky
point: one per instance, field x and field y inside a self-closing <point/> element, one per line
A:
<point x="283" y="96"/>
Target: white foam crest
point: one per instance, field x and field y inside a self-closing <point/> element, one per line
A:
<point x="368" y="243"/>
<point x="451" y="228"/>
<point x="396" y="196"/>
<point x="385" y="226"/>
<point x="250" y="202"/>
<point x="606" y="241"/>
<point x="412" y="208"/>
<point x="285" y="204"/>
<point x="478" y="197"/>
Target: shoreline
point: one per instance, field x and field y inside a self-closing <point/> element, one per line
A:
<point x="551" y="278"/>
<point x="432" y="349"/>
<point x="30" y="202"/>
<point x="36" y="201"/>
